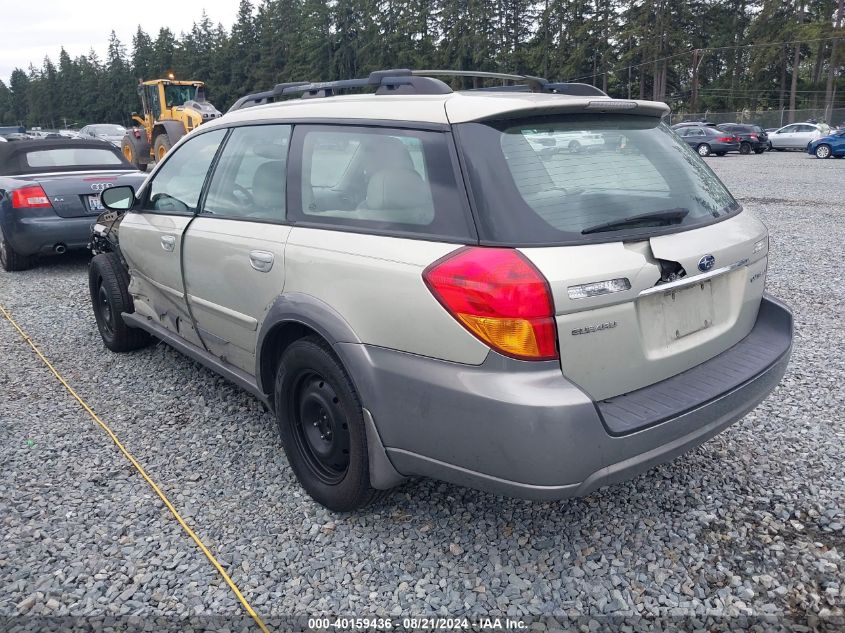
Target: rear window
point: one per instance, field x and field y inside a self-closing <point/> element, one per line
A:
<point x="72" y="157"/>
<point x="576" y="178"/>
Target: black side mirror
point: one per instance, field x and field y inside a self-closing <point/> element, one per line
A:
<point x="118" y="198"/>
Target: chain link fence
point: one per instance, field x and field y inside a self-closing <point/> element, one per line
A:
<point x="763" y="118"/>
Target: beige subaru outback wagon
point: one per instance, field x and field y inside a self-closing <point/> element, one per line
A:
<point x="426" y="282"/>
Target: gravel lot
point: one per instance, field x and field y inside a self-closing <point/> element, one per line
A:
<point x="750" y="523"/>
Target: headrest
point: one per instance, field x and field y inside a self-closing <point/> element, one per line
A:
<point x="273" y="151"/>
<point x="387" y="151"/>
<point x="397" y="188"/>
<point x="269" y="181"/>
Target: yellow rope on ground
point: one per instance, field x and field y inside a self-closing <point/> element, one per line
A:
<point x="143" y="474"/>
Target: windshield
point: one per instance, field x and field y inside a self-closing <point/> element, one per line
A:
<point x="545" y="181"/>
<point x="178" y="95"/>
<point x="108" y="130"/>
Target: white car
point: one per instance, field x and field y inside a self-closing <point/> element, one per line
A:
<point x="104" y="132"/>
<point x="413" y="292"/>
<point x="550" y="142"/>
<point x="795" y="136"/>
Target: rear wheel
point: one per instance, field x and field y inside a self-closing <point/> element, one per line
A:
<point x="574" y="146"/>
<point x="10" y="260"/>
<point x="703" y="149"/>
<point x="823" y="151"/>
<point x="108" y="283"/>
<point x="745" y="148"/>
<point x="162" y="146"/>
<point x="321" y="424"/>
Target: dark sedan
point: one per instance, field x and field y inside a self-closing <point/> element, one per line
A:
<point x="50" y="195"/>
<point x="752" y="138"/>
<point x="708" y="140"/>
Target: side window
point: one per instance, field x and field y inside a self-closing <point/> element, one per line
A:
<point x="177" y="186"/>
<point x="249" y="180"/>
<point x="377" y="178"/>
<point x="789" y="129"/>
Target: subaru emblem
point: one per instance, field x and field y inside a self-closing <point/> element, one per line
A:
<point x="706" y="263"/>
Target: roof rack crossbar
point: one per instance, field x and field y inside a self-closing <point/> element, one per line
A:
<point x="536" y="84"/>
<point x="406" y="81"/>
<point x="258" y="98"/>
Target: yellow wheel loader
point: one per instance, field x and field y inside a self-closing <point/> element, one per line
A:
<point x="170" y="109"/>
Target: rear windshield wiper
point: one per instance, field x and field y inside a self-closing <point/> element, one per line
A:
<point x="667" y="216"/>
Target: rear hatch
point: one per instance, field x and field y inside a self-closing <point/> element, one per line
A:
<point x="652" y="265"/>
<point x="78" y="194"/>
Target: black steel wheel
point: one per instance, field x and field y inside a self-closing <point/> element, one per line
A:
<point x="321" y="423"/>
<point x="10" y="260"/>
<point x="320" y="428"/>
<point x="108" y="284"/>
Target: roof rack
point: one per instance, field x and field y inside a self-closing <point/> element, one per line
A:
<point x="406" y="81"/>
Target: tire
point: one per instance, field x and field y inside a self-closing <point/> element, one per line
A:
<point x="12" y="261"/>
<point x="574" y="146"/>
<point x="703" y="149"/>
<point x="132" y="153"/>
<point x="162" y="146"/>
<point x="108" y="283"/>
<point x="321" y="424"/>
<point x="823" y="151"/>
<point x="745" y="148"/>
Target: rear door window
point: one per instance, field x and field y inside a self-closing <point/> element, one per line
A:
<point x="378" y="179"/>
<point x="527" y="197"/>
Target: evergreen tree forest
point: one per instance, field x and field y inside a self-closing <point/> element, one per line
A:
<point x="695" y="54"/>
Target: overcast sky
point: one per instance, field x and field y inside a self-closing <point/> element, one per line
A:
<point x="35" y="28"/>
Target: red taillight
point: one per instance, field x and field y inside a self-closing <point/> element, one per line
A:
<point x="30" y="198"/>
<point x="499" y="296"/>
<point x="726" y="139"/>
<point x="754" y="137"/>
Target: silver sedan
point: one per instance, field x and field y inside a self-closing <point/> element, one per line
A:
<point x="795" y="136"/>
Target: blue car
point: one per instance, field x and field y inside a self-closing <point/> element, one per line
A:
<point x="831" y="145"/>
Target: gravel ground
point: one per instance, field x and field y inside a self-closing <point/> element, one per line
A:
<point x="750" y="523"/>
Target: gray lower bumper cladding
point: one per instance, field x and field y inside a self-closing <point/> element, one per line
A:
<point x="521" y="429"/>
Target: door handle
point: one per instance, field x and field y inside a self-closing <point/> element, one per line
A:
<point x="262" y="261"/>
<point x="168" y="242"/>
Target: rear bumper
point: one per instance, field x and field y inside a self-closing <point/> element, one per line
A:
<point x="33" y="234"/>
<point x="521" y="429"/>
<point x="724" y="147"/>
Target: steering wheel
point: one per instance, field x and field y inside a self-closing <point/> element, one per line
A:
<point x="242" y="195"/>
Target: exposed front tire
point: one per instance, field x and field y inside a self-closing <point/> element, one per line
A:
<point x="703" y="149"/>
<point x="321" y="424"/>
<point x="823" y="151"/>
<point x="133" y="154"/>
<point x="745" y="148"/>
<point x="162" y="146"/>
<point x="11" y="260"/>
<point x="108" y="283"/>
